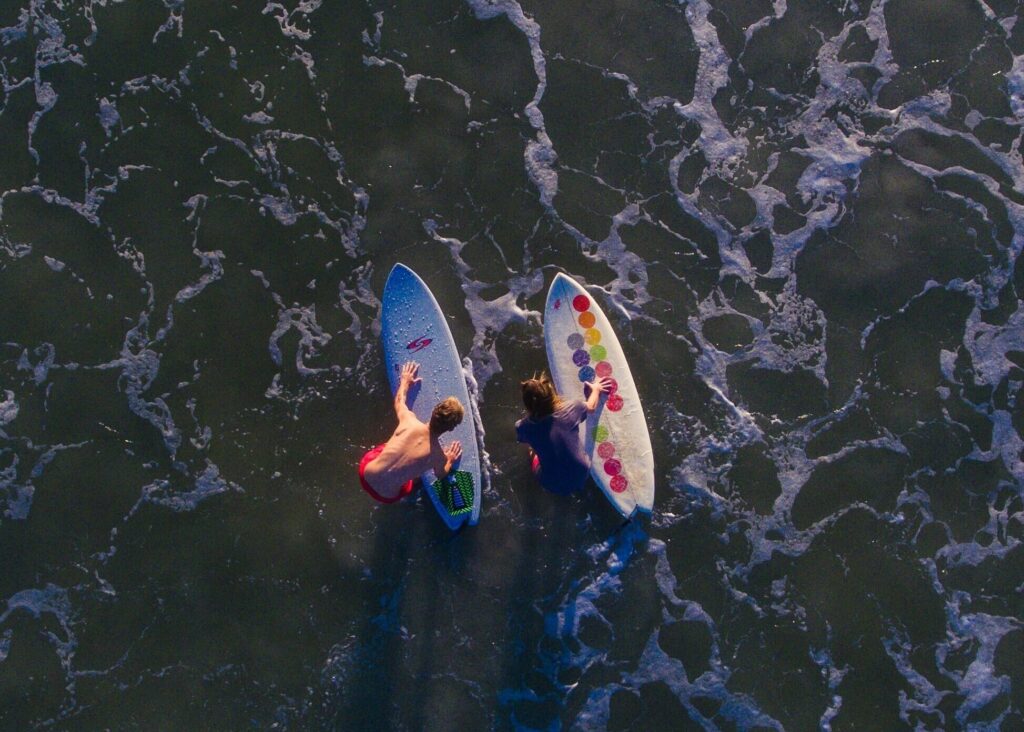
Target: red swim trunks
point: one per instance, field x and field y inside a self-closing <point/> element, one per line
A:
<point x="369" y="458"/>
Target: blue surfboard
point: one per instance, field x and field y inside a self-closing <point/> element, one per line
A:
<point x="413" y="328"/>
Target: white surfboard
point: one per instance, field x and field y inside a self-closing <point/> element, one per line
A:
<point x="581" y="345"/>
<point x="413" y="328"/>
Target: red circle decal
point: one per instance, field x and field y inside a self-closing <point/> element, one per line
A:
<point x="619" y="483"/>
<point x="612" y="467"/>
<point x="614" y="403"/>
<point x="581" y="303"/>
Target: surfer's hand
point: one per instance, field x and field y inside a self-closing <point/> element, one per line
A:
<point x="409" y="372"/>
<point x="593" y="391"/>
<point x="452" y="453"/>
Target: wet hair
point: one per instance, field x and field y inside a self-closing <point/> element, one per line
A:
<point x="539" y="396"/>
<point x="446" y="416"/>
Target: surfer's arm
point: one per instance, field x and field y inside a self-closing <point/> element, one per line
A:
<point x="597" y="388"/>
<point x="407" y="379"/>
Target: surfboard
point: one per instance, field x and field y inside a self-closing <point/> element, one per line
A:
<point x="581" y="345"/>
<point x="413" y="328"/>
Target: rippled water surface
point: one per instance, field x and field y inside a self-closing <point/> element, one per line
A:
<point x="803" y="217"/>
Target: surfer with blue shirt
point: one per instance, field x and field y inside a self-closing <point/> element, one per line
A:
<point x="551" y="428"/>
<point x="387" y="472"/>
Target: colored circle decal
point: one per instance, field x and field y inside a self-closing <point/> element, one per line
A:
<point x="603" y="369"/>
<point x="592" y="336"/>
<point x="619" y="483"/>
<point x="575" y="341"/>
<point x="581" y="303"/>
<point x="600" y="433"/>
<point x="613" y="386"/>
<point x="581" y="358"/>
<point x="614" y="402"/>
<point x="605" y="450"/>
<point x="587" y="320"/>
<point x="598" y="353"/>
<point x="586" y="374"/>
<point x="612" y="466"/>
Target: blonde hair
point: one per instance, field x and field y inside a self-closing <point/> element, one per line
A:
<point x="539" y="396"/>
<point x="447" y="415"/>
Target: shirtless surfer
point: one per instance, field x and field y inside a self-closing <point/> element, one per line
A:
<point x="387" y="472"/>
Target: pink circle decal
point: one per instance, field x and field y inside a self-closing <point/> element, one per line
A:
<point x="614" y="403"/>
<point x="603" y="369"/>
<point x="581" y="303"/>
<point x="605" y="450"/>
<point x="612" y="466"/>
<point x="619" y="483"/>
<point x="613" y="386"/>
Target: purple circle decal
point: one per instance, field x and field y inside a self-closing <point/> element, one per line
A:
<point x="575" y="341"/>
<point x="581" y="358"/>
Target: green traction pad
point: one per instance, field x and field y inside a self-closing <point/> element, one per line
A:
<point x="456" y="492"/>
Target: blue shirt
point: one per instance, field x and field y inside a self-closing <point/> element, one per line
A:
<point x="556" y="440"/>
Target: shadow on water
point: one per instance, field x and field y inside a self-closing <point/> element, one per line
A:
<point x="385" y="674"/>
<point x="453" y="623"/>
<point x="556" y="533"/>
<point x="398" y="672"/>
<point x="370" y="681"/>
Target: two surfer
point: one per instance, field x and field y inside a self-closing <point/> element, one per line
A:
<point x="388" y="471"/>
<point x="551" y="428"/>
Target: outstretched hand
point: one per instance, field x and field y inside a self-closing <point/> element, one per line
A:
<point x="452" y="453"/>
<point x="599" y="386"/>
<point x="408" y="375"/>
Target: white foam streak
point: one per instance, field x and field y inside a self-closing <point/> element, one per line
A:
<point x="719" y="146"/>
<point x="539" y="156"/>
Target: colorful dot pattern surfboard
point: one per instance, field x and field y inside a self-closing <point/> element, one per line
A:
<point x="581" y="346"/>
<point x="413" y="328"/>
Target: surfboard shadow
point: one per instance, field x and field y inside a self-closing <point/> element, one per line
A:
<point x="547" y="557"/>
<point x="395" y="678"/>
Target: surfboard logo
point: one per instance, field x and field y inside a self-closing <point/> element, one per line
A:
<point x="418" y="344"/>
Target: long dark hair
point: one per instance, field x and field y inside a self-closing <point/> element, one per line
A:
<point x="539" y="396"/>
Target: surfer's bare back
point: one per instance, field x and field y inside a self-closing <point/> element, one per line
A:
<point x="388" y="471"/>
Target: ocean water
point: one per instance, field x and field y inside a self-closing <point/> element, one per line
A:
<point x="804" y="218"/>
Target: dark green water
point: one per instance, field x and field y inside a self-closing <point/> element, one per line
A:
<point x="803" y="217"/>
